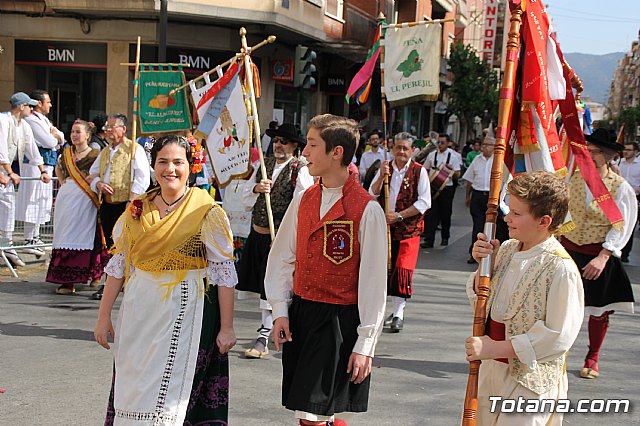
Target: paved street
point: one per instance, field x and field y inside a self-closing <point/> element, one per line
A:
<point x="53" y="373"/>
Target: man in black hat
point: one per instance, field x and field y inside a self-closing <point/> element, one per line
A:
<point x="287" y="175"/>
<point x="595" y="244"/>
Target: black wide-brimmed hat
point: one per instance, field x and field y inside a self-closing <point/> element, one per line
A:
<point x="604" y="138"/>
<point x="287" y="131"/>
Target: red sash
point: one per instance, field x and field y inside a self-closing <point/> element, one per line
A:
<point x="78" y="178"/>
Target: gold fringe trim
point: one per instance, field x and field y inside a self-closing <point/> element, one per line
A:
<point x="566" y="228"/>
<point x="528" y="149"/>
<point x="563" y="172"/>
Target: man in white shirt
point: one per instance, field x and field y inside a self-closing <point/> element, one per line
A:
<point x="118" y="177"/>
<point x="35" y="198"/>
<point x="287" y="175"/>
<point x="629" y="166"/>
<point x="326" y="281"/>
<point x="442" y="203"/>
<point x="409" y="199"/>
<point x="478" y="177"/>
<point x="375" y="153"/>
<point x="16" y="143"/>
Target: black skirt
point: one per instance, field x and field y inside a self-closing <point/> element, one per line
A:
<point x="314" y="364"/>
<point x="253" y="264"/>
<point x="612" y="286"/>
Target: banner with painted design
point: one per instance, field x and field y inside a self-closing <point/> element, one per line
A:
<point x="159" y="112"/>
<point x="412" y="64"/>
<point x="222" y="112"/>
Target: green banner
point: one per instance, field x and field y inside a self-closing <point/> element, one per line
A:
<point x="159" y="112"/>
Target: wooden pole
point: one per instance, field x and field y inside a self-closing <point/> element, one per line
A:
<point x="484" y="270"/>
<point x="134" y="124"/>
<point x="383" y="98"/>
<point x="246" y="51"/>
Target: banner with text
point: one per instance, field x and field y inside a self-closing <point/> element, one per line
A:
<point x="412" y="64"/>
<point x="224" y="124"/>
<point x="489" y="30"/>
<point x="159" y="112"/>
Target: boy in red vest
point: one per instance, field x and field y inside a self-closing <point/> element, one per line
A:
<point x="327" y="319"/>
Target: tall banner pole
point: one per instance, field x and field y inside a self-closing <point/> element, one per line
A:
<point x="383" y="99"/>
<point x="256" y="125"/>
<point x="136" y="92"/>
<point x="484" y="270"/>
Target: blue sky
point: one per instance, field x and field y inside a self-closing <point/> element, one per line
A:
<point x="595" y="26"/>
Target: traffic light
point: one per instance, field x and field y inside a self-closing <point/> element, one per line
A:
<point x="304" y="67"/>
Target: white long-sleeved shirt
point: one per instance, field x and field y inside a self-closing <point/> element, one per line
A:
<point x="372" y="276"/>
<point x="423" y="203"/>
<point x="549" y="338"/>
<point x="630" y="171"/>
<point x="141" y="170"/>
<point x="24" y="133"/>
<point x="628" y="205"/>
<point x="303" y="181"/>
<point x="479" y="173"/>
<point x="41" y="127"/>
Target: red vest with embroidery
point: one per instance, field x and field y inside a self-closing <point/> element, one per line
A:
<point x="408" y="194"/>
<point x="328" y="249"/>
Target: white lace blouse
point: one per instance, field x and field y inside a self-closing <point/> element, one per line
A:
<point x="218" y="241"/>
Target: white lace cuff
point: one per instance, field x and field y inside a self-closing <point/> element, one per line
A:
<point x="116" y="265"/>
<point x="222" y="274"/>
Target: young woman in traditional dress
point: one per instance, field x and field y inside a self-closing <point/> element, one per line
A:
<point x="174" y="255"/>
<point x="79" y="254"/>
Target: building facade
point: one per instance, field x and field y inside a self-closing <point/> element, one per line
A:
<point x="75" y="49"/>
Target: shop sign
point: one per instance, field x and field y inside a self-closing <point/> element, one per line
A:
<point x="61" y="54"/>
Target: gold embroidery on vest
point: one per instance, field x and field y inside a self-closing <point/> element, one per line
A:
<point x="120" y="173"/>
<point x="526" y="306"/>
<point x="592" y="225"/>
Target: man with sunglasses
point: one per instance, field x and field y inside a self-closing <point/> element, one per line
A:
<point x="287" y="175"/>
<point x="115" y="179"/>
<point x="16" y="143"/>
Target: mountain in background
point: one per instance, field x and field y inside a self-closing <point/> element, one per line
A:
<point x="596" y="72"/>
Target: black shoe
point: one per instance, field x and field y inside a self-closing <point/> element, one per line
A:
<point x="445" y="242"/>
<point x="98" y="294"/>
<point x="471" y="260"/>
<point x="396" y="325"/>
<point x="426" y="244"/>
<point x="387" y="320"/>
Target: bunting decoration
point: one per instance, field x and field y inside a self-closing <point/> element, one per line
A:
<point x="361" y="83"/>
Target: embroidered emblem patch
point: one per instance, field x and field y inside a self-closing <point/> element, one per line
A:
<point x="338" y="241"/>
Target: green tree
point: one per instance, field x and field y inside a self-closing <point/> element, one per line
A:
<point x="474" y="91"/>
<point x="630" y="117"/>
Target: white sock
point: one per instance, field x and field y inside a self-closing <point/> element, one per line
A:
<point x="267" y="324"/>
<point x="398" y="306"/>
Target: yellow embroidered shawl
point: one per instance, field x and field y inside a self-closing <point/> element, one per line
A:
<point x="174" y="243"/>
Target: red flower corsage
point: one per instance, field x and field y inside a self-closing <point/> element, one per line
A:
<point x="136" y="208"/>
<point x="197" y="155"/>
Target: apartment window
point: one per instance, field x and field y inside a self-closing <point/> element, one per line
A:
<point x="335" y="8"/>
<point x="316" y="2"/>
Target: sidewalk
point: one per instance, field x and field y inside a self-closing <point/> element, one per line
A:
<point x="53" y="373"/>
